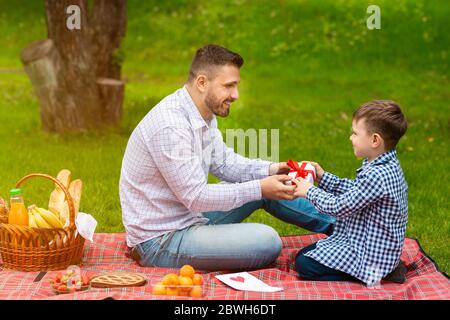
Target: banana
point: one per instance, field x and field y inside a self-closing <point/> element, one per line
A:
<point x="41" y="222"/>
<point x="56" y="213"/>
<point x="32" y="220"/>
<point x="50" y="218"/>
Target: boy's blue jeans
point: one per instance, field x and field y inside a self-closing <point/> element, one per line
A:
<point x="310" y="269"/>
<point x="226" y="244"/>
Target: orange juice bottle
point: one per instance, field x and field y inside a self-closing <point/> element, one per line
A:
<point x="18" y="214"/>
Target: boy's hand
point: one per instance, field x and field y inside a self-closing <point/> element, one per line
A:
<point x="302" y="187"/>
<point x="319" y="171"/>
<point x="273" y="188"/>
<point x="279" y="168"/>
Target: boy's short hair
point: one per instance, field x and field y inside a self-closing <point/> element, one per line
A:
<point x="385" y="118"/>
<point x="211" y="56"/>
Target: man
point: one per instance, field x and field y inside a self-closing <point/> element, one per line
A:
<point x="171" y="214"/>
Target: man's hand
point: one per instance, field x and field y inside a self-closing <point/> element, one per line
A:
<point x="279" y="168"/>
<point x="319" y="171"/>
<point x="302" y="187"/>
<point x="273" y="188"/>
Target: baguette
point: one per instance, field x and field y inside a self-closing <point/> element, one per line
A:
<point x="75" y="189"/>
<point x="56" y="202"/>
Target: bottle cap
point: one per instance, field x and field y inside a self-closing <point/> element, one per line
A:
<point x="15" y="192"/>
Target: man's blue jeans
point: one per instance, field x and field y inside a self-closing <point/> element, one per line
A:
<point x="226" y="244"/>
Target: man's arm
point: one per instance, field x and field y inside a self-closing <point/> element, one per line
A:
<point x="180" y="164"/>
<point x="173" y="151"/>
<point x="232" y="167"/>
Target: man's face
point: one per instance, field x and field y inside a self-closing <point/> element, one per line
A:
<point x="361" y="139"/>
<point x="223" y="90"/>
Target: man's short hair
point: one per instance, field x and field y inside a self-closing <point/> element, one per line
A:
<point x="385" y="118"/>
<point x="211" y="56"/>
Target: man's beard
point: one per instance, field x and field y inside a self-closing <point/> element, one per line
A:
<point x="216" y="106"/>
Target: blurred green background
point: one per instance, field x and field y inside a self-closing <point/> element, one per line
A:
<point x="308" y="65"/>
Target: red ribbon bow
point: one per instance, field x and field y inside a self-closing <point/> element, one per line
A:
<point x="301" y="171"/>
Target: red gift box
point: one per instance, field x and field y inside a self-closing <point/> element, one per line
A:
<point x="306" y="170"/>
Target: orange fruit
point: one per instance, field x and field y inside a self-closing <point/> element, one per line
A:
<point x="185" y="285"/>
<point x="172" y="291"/>
<point x="197" y="279"/>
<point x="171" y="279"/>
<point x="196" y="292"/>
<point x="185" y="281"/>
<point x="185" y="291"/>
<point x="159" y="289"/>
<point x="187" y="271"/>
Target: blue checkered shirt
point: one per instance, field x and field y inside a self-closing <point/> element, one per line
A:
<point x="371" y="216"/>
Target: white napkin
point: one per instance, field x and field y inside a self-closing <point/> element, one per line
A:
<point x="86" y="225"/>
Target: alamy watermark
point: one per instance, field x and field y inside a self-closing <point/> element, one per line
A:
<point x="73" y="21"/>
<point x="374" y="20"/>
<point x="258" y="143"/>
<point x="210" y="150"/>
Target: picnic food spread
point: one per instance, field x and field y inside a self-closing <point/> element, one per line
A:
<point x="39" y="239"/>
<point x="186" y="283"/>
<point x="57" y="215"/>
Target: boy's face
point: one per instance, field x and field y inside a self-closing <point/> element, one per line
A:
<point x="362" y="140"/>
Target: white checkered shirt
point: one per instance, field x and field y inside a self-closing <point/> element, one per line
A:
<point x="164" y="177"/>
<point x="371" y="216"/>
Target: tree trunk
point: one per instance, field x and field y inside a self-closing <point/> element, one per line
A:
<point x="74" y="48"/>
<point x="108" y="25"/>
<point x="64" y="69"/>
<point x="111" y="92"/>
<point x="44" y="66"/>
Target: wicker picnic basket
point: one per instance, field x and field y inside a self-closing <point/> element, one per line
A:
<point x="24" y="248"/>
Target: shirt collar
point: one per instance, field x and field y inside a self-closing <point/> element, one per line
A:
<point x="195" y="117"/>
<point x="383" y="158"/>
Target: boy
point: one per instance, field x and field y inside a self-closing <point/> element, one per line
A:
<point x="371" y="211"/>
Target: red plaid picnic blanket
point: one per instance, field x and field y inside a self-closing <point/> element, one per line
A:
<point x="108" y="253"/>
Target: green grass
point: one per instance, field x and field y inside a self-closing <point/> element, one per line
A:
<point x="308" y="65"/>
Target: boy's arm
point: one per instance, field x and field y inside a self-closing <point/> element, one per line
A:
<point x="335" y="185"/>
<point x="366" y="190"/>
